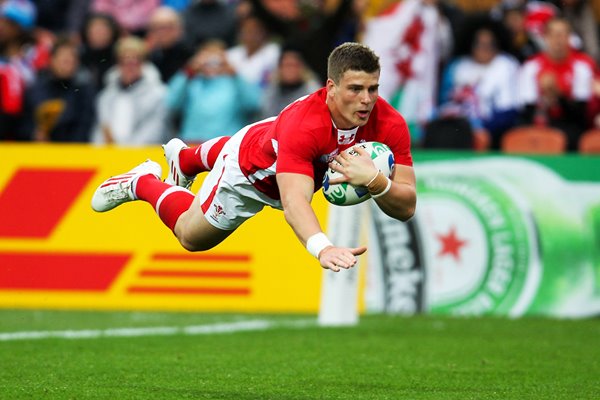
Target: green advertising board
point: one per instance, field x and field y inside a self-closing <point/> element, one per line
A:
<point x="492" y="234"/>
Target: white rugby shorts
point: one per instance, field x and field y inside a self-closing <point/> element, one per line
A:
<point x="227" y="197"/>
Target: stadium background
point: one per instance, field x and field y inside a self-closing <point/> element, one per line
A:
<point x="56" y="253"/>
<point x="83" y="299"/>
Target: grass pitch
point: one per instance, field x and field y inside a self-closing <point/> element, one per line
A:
<point x="291" y="358"/>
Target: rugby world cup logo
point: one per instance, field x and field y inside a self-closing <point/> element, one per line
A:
<point x="335" y="194"/>
<point x="378" y="148"/>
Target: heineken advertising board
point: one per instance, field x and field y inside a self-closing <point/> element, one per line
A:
<point x="492" y="235"/>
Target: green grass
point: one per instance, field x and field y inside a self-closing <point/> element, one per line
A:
<point x="382" y="358"/>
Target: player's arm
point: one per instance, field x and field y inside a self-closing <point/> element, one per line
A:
<point x="296" y="192"/>
<point x="401" y="199"/>
<point x="396" y="197"/>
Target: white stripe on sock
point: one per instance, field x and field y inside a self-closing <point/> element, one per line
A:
<point x="205" y="148"/>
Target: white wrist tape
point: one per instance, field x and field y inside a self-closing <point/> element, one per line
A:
<point x="387" y="189"/>
<point x="316" y="243"/>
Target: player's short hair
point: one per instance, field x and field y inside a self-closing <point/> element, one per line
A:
<point x="351" y="56"/>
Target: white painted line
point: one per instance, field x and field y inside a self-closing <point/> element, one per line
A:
<point x="222" y="327"/>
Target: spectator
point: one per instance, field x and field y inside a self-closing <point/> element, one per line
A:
<point x="537" y="14"/>
<point x="209" y="19"/>
<point x="256" y="56"/>
<point x="61" y="17"/>
<point x="593" y="109"/>
<point x="212" y="99"/>
<point x="292" y="80"/>
<point x="62" y="98"/>
<point x="478" y="87"/>
<point x="165" y="39"/>
<point x="311" y="30"/>
<point x="523" y="43"/>
<point x="556" y="85"/>
<point x="352" y="25"/>
<point x="132" y="15"/>
<point x="534" y="13"/>
<point x="18" y="63"/>
<point x="99" y="36"/>
<point x="131" y="108"/>
<point x="580" y="15"/>
<point x="411" y="38"/>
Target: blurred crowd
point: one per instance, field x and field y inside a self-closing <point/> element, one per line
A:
<point x="135" y="72"/>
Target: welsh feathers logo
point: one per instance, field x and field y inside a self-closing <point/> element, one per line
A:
<point x="217" y="212"/>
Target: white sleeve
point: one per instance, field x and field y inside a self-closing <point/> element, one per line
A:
<point x="582" y="81"/>
<point x="527" y="83"/>
<point x="507" y="96"/>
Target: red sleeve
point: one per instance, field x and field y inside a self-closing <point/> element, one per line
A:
<point x="398" y="139"/>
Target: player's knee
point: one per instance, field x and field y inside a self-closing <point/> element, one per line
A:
<point x="190" y="246"/>
<point x="193" y="246"/>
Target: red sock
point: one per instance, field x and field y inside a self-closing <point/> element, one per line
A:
<point x="195" y="160"/>
<point x="168" y="201"/>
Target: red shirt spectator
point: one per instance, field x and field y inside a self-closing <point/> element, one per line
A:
<point x="555" y="85"/>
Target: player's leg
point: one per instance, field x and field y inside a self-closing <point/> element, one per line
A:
<point x="175" y="206"/>
<point x="226" y="199"/>
<point x="194" y="232"/>
<point x="220" y="207"/>
<point x="181" y="211"/>
<point x="186" y="162"/>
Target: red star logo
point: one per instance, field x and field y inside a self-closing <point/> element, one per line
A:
<point x="451" y="244"/>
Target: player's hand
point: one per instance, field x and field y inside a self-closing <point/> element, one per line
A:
<point x="336" y="258"/>
<point x="357" y="169"/>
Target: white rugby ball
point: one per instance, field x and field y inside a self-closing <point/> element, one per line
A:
<point x="345" y="194"/>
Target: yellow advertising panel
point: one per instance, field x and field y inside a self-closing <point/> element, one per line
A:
<point x="56" y="252"/>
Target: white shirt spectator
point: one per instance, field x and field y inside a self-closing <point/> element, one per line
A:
<point x="258" y="67"/>
<point x="136" y="115"/>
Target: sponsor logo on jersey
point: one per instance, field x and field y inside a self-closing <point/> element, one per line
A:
<point x="345" y="137"/>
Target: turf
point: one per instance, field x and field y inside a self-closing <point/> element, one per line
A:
<point x="382" y="358"/>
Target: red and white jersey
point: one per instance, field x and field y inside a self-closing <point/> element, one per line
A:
<point x="574" y="76"/>
<point x="303" y="140"/>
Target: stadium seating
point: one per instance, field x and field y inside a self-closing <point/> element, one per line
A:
<point x="481" y="141"/>
<point x="534" y="140"/>
<point x="589" y="143"/>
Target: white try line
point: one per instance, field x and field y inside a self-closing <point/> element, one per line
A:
<point x="222" y="327"/>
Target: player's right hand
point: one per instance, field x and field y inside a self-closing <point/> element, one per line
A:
<point x="336" y="258"/>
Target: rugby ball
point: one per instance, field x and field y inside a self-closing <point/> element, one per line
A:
<point x="345" y="194"/>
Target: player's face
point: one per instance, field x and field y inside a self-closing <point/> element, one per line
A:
<point x="352" y="100"/>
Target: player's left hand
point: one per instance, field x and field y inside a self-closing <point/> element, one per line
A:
<point x="357" y="169"/>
